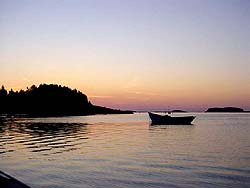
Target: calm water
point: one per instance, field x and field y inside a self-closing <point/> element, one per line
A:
<point x="125" y="151"/>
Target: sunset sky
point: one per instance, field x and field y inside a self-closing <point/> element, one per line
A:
<point x="131" y="54"/>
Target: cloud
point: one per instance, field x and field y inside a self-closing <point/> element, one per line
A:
<point x="100" y="96"/>
<point x="133" y="83"/>
<point x="26" y="79"/>
<point x="145" y="93"/>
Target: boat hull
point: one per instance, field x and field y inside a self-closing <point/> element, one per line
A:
<point x="7" y="181"/>
<point x="168" y="120"/>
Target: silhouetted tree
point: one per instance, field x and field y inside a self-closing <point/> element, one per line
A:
<point x="3" y="92"/>
<point x="3" y="99"/>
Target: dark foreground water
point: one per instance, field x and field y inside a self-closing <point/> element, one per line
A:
<point x="125" y="151"/>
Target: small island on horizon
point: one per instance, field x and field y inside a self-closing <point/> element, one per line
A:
<point x="225" y="109"/>
<point x="50" y="100"/>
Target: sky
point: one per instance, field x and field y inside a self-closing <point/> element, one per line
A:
<point x="131" y="54"/>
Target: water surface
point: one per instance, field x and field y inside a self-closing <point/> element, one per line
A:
<point x="119" y="151"/>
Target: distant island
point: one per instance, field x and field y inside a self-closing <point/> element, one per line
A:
<point x="178" y="111"/>
<point x="225" y="109"/>
<point x="50" y="100"/>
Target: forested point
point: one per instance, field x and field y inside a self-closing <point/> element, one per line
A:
<point x="50" y="100"/>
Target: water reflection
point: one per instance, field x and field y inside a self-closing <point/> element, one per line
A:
<point x="162" y="126"/>
<point x="125" y="151"/>
<point x="55" y="129"/>
<point x="20" y="134"/>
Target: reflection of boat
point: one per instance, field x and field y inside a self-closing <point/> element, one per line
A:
<point x="168" y="120"/>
